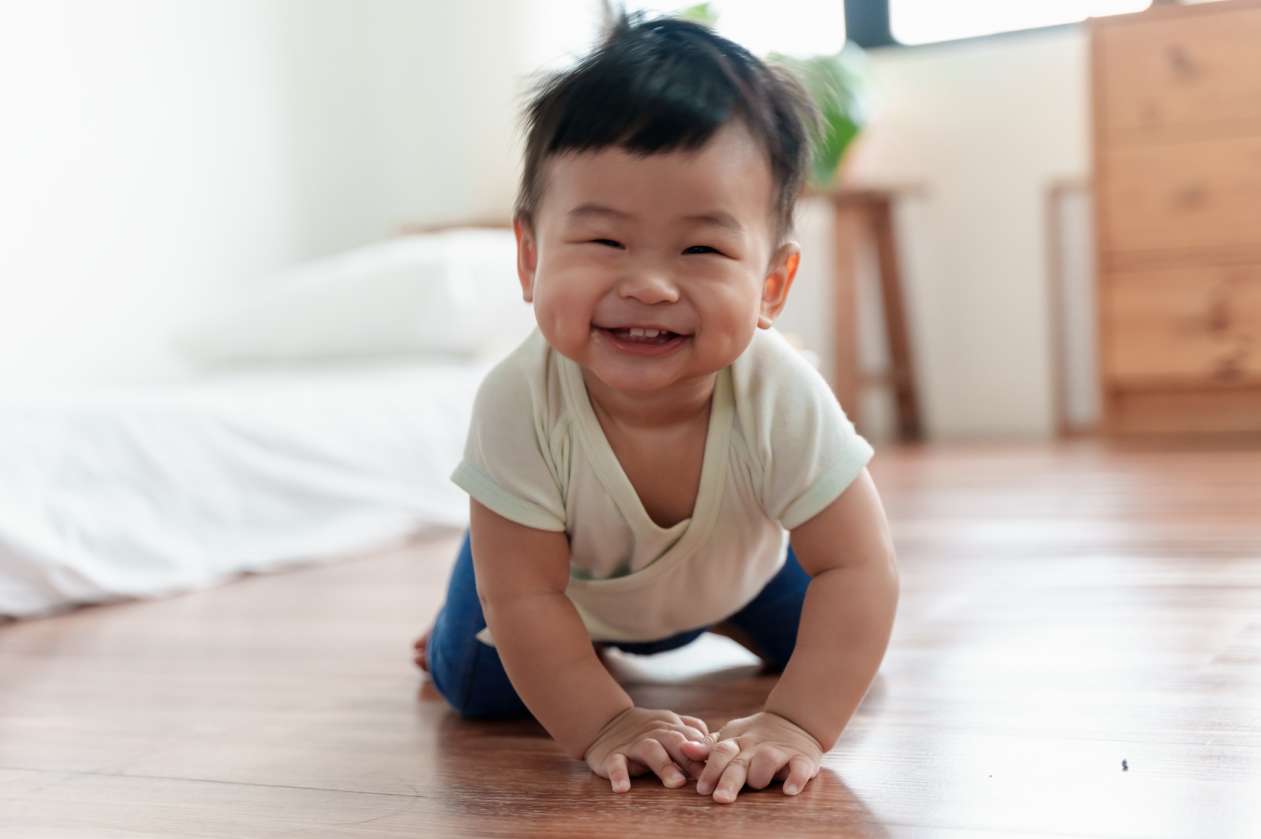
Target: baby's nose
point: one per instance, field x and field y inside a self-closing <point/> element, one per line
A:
<point x="649" y="287"/>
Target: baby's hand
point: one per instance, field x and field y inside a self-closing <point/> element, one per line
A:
<point x="640" y="739"/>
<point x="756" y="749"/>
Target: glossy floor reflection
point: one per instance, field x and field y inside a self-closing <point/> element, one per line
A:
<point x="1064" y="609"/>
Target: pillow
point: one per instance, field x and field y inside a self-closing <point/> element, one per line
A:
<point x="449" y="293"/>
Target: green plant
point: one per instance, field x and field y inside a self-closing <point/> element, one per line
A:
<point x="702" y="13"/>
<point x="836" y="83"/>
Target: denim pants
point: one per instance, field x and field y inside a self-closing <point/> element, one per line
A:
<point x="469" y="674"/>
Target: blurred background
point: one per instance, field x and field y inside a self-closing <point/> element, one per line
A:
<point x="1041" y="219"/>
<point x="162" y="156"/>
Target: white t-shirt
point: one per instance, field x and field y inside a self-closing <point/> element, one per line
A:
<point x="779" y="449"/>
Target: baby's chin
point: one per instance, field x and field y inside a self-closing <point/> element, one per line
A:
<point x="638" y="380"/>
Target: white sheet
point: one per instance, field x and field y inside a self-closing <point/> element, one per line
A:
<point x="144" y="492"/>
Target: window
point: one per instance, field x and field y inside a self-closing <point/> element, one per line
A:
<point x="929" y="21"/>
<point x="814" y="27"/>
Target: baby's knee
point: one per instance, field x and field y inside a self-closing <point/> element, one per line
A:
<point x="488" y="706"/>
<point x="478" y="690"/>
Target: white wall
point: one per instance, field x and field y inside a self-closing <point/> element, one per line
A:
<point x="984" y="126"/>
<point x="144" y="163"/>
<point x="158" y="155"/>
<point x="450" y="78"/>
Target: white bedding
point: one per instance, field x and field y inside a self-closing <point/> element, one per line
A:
<point x="145" y="492"/>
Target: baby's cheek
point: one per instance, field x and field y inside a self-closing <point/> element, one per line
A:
<point x="563" y="319"/>
<point x="732" y="337"/>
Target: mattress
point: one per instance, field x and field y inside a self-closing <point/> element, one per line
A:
<point x="141" y="492"/>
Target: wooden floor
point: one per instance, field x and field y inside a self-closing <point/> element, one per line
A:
<point x="1064" y="610"/>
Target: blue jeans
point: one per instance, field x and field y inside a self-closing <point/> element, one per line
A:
<point x="471" y="677"/>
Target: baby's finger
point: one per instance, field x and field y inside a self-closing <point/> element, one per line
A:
<point x="692" y="768"/>
<point x="765" y="763"/>
<point x="697" y="723"/>
<point x="800" y="770"/>
<point x="674" y="742"/>
<point x="719" y="756"/>
<point x="693" y="756"/>
<point x="694" y="734"/>
<point x="617" y="772"/>
<point x="652" y="754"/>
<point x="732" y="781"/>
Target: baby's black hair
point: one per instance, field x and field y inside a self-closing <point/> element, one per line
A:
<point x="661" y="85"/>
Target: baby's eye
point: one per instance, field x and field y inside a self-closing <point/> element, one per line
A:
<point x="610" y="243"/>
<point x="701" y="249"/>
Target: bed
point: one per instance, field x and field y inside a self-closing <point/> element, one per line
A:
<point x="321" y="422"/>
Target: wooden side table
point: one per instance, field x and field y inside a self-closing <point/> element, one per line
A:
<point x="866" y="214"/>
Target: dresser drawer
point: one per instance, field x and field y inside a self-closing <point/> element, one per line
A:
<point x="1182" y="326"/>
<point x="1190" y="74"/>
<point x="1201" y="197"/>
<point x="1195" y="411"/>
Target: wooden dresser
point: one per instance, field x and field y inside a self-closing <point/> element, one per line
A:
<point x="1177" y="161"/>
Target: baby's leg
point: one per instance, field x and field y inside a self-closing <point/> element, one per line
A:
<point x="467" y="672"/>
<point x="768" y="624"/>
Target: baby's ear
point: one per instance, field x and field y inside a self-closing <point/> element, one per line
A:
<point x="527" y="256"/>
<point x="778" y="281"/>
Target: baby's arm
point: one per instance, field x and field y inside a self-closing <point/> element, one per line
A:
<point x="848" y="613"/>
<point x="842" y="636"/>
<point x="522" y="573"/>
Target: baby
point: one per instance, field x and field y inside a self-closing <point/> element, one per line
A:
<point x="655" y="461"/>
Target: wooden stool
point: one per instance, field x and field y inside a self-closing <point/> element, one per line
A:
<point x="866" y="214"/>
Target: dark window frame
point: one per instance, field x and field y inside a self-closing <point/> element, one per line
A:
<point x="867" y="23"/>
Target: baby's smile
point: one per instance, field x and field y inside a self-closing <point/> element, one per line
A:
<point x="647" y="340"/>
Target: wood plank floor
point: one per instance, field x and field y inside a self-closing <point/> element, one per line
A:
<point x="1064" y="609"/>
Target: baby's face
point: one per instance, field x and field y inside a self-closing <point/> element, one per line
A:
<point x="679" y="242"/>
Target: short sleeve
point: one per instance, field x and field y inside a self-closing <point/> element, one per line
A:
<point x="809" y="450"/>
<point x="507" y="464"/>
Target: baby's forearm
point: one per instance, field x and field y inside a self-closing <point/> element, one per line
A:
<point x="845" y="627"/>
<point x="551" y="662"/>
